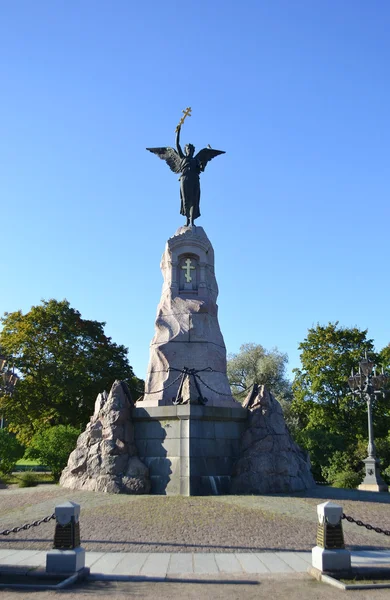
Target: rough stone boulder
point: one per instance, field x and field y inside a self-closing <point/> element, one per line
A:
<point x="105" y="458"/>
<point x="270" y="461"/>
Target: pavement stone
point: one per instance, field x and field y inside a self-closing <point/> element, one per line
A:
<point x="273" y="562"/>
<point x="306" y="556"/>
<point x="160" y="564"/>
<point x="204" y="563"/>
<point x="250" y="563"/>
<point x="101" y="562"/>
<point x="228" y="563"/>
<point x="365" y="557"/>
<point x="297" y="563"/>
<point x="181" y="563"/>
<point x="6" y="552"/>
<point x="130" y="564"/>
<point x="20" y="556"/>
<point x="32" y="560"/>
<point x="156" y="564"/>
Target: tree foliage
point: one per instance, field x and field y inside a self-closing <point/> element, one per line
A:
<point x="64" y="361"/>
<point x="384" y="360"/>
<point x="10" y="451"/>
<point x="52" y="447"/>
<point x="329" y="418"/>
<point x="255" y="364"/>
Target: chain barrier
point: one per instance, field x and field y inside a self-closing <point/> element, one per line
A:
<point x="246" y="390"/>
<point x="211" y="389"/>
<point x="366" y="525"/>
<point x="164" y="388"/>
<point x="28" y="525"/>
<point x="195" y="373"/>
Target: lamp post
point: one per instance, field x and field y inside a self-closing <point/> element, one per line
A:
<point x="8" y="381"/>
<point x="367" y="384"/>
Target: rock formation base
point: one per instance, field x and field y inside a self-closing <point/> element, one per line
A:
<point x="270" y="461"/>
<point x="106" y="458"/>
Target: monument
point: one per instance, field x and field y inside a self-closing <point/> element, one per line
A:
<point x="188" y="425"/>
<point x="188" y="354"/>
<point x="187" y="434"/>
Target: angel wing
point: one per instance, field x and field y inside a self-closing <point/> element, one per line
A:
<point x="170" y="156"/>
<point x="207" y="154"/>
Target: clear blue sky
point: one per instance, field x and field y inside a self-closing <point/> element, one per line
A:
<point x="298" y="94"/>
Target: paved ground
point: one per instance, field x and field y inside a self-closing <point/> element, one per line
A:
<point x="165" y="564"/>
<point x="293" y="587"/>
<point x="217" y="547"/>
<point x="217" y="524"/>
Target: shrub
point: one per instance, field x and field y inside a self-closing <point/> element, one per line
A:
<point x="52" y="447"/>
<point x="347" y="479"/>
<point x="345" y="468"/>
<point x="321" y="446"/>
<point x="10" y="451"/>
<point x="386" y="475"/>
<point x="28" y="479"/>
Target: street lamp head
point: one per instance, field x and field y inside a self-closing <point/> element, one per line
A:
<point x="3" y="361"/>
<point x="352" y="381"/>
<point x="380" y="381"/>
<point x="10" y="380"/>
<point x="366" y="366"/>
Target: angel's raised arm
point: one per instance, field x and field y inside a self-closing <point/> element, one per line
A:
<point x="178" y="147"/>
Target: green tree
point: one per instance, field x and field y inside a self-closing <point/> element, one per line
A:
<point x="10" y="451"/>
<point x="384" y="360"/>
<point x="255" y="364"/>
<point x="64" y="361"/>
<point x="52" y="447"/>
<point x="329" y="418"/>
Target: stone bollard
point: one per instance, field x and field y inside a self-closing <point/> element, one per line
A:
<point x="330" y="553"/>
<point x="67" y="556"/>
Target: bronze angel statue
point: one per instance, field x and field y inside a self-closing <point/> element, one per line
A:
<point x="189" y="167"/>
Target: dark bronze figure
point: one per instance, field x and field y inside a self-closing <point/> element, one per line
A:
<point x="190" y="167"/>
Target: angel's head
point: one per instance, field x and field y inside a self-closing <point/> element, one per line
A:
<point x="189" y="150"/>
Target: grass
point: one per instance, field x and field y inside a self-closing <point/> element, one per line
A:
<point x="27" y="464"/>
<point x="17" y="478"/>
<point x="357" y="581"/>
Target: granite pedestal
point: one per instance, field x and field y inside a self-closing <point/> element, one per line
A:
<point x="189" y="449"/>
<point x="187" y="332"/>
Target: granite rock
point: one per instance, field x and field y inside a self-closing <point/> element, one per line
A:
<point x="270" y="461"/>
<point x="187" y="332"/>
<point x="105" y="458"/>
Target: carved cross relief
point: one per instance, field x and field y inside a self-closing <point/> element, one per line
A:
<point x="187" y="266"/>
<point x="188" y="275"/>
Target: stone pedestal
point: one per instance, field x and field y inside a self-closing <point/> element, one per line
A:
<point x="330" y="554"/>
<point x="372" y="481"/>
<point x="187" y="332"/>
<point x="189" y="450"/>
<point x="67" y="555"/>
<point x="188" y="440"/>
<point x="65" y="561"/>
<point x="331" y="560"/>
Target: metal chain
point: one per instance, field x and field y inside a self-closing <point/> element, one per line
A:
<point x="181" y="371"/>
<point x="366" y="525"/>
<point x="211" y="389"/>
<point x="28" y="525"/>
<point x="162" y="390"/>
<point x="244" y="391"/>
